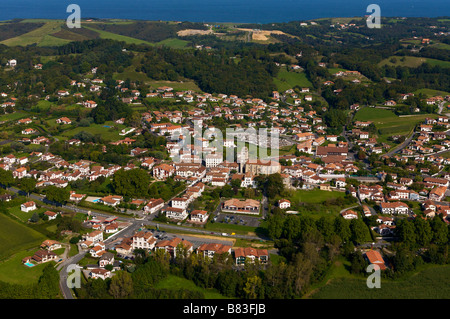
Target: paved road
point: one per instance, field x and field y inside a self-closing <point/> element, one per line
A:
<point x="401" y="146"/>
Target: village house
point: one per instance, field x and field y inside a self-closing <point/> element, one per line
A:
<point x="43" y="256"/>
<point x="153" y="205"/>
<point x="199" y="216"/>
<point x="249" y="254"/>
<point x="174" y="246"/>
<point x="375" y="258"/>
<point x="51" y="244"/>
<point x="64" y="120"/>
<point x="99" y="273"/>
<point x="211" y="249"/>
<point x="51" y="215"/>
<point x="284" y="203"/>
<point x="349" y="214"/>
<point x="176" y="213"/>
<point x="394" y="208"/>
<point x="28" y="206"/>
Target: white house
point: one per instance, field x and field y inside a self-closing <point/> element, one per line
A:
<point x="199" y="216"/>
<point x="28" y="206"/>
<point x="153" y="205"/>
<point x="394" y="208"/>
<point x="284" y="203"/>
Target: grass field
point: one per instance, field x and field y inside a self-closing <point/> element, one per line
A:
<point x="13" y="116"/>
<point x="13" y="271"/>
<point x="287" y="80"/>
<point x="388" y="122"/>
<point x="175" y="283"/>
<point x="38" y="36"/>
<point x="108" y="133"/>
<point x="444" y="64"/>
<point x="314" y="196"/>
<point x="15" y="236"/>
<point x="430" y="92"/>
<point x="431" y="283"/>
<point x="412" y="62"/>
<point x="409" y="61"/>
<point x="114" y="36"/>
<point x="444" y="46"/>
<point x="173" y="43"/>
<point x="24" y="216"/>
<point x="335" y="70"/>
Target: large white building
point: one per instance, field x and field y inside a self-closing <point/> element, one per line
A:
<point x="213" y="160"/>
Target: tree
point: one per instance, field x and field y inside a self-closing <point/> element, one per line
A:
<point x="56" y="194"/>
<point x="275" y="225"/>
<point x="359" y="231"/>
<point x="121" y="285"/>
<point x="358" y="264"/>
<point x="423" y="231"/>
<point x="235" y="183"/>
<point x="440" y="231"/>
<point x="253" y="287"/>
<point x="48" y="285"/>
<point x="342" y="228"/>
<point x="132" y="183"/>
<point x="6" y="177"/>
<point x="406" y="232"/>
<point x="34" y="218"/>
<point x="27" y="185"/>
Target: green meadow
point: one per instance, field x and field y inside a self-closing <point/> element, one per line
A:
<point x="13" y="271"/>
<point x="289" y="79"/>
<point x="38" y="36"/>
<point x="109" y="131"/>
<point x="15" y="236"/>
<point x="315" y="196"/>
<point x="430" y="283"/>
<point x="388" y="122"/>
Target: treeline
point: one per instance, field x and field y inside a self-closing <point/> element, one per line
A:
<point x="15" y="28"/>
<point x="151" y="31"/>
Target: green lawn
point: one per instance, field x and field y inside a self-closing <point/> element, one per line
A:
<point x="39" y="35"/>
<point x="24" y="216"/>
<point x="107" y="133"/>
<point x="15" y="236"/>
<point x="409" y="61"/>
<point x="388" y="122"/>
<point x="14" y="116"/>
<point x="317" y="203"/>
<point x="173" y="43"/>
<point x="335" y="70"/>
<point x="431" y="283"/>
<point x="314" y="196"/>
<point x="431" y="92"/>
<point x="13" y="271"/>
<point x="49" y="41"/>
<point x="288" y="79"/>
<point x="444" y="46"/>
<point x="444" y="64"/>
<point x="114" y="36"/>
<point x="175" y="283"/>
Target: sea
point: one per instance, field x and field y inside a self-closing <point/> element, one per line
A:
<point x="222" y="11"/>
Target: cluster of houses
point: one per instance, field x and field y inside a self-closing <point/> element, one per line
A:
<point x="44" y="254"/>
